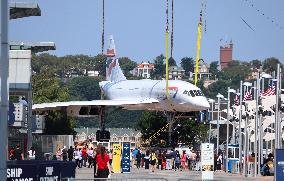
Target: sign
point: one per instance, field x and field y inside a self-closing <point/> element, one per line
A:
<point x="207" y="161"/>
<point x="116" y="158"/>
<point x="49" y="172"/>
<point x="279" y="169"/>
<point x="22" y="172"/>
<point x="126" y="158"/>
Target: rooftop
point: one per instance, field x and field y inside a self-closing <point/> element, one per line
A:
<point x="23" y="9"/>
<point x="34" y="47"/>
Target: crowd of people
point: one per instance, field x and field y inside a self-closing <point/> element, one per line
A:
<point x="166" y="159"/>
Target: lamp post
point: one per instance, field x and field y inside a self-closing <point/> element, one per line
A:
<point x="259" y="116"/>
<point x="212" y="109"/>
<point x="219" y="96"/>
<point x="247" y="85"/>
<point x="228" y="117"/>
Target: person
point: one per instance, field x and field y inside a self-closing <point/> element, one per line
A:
<point x="18" y="152"/>
<point x="138" y="159"/>
<point x="98" y="151"/>
<point x="160" y="158"/>
<point x="11" y="153"/>
<point x="219" y="162"/>
<point x="147" y="160"/>
<point x="153" y="161"/>
<point x="58" y="154"/>
<point x="90" y="154"/>
<point x="110" y="158"/>
<point x="70" y="153"/>
<point x="77" y="155"/>
<point x="142" y="158"/>
<point x="183" y="160"/>
<point x="64" y="153"/>
<point x="188" y="158"/>
<point x="177" y="161"/>
<point x="84" y="156"/>
<point x="193" y="160"/>
<point x="102" y="166"/>
<point x="168" y="160"/>
<point x="31" y="153"/>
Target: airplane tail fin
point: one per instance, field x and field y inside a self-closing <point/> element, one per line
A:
<point x="114" y="71"/>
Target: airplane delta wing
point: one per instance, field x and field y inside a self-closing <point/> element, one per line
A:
<point x="80" y="108"/>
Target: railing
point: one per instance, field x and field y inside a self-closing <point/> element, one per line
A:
<point x="117" y="179"/>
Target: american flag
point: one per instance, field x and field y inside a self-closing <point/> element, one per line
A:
<point x="236" y="100"/>
<point x="248" y="96"/>
<point x="271" y="89"/>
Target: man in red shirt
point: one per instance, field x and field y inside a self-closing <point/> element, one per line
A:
<point x="103" y="167"/>
<point x="84" y="156"/>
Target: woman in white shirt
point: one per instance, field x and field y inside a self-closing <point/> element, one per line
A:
<point x="31" y="153"/>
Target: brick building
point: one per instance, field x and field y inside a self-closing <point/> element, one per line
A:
<point x="226" y="54"/>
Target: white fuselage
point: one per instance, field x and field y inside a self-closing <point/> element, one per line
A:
<point x="183" y="96"/>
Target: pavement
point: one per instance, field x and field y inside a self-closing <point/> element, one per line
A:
<point x="166" y="175"/>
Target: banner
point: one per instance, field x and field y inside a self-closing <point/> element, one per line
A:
<point x="126" y="158"/>
<point x="116" y="158"/>
<point x="279" y="170"/>
<point x="207" y="161"/>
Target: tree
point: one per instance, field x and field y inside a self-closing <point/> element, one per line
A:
<point x="214" y="69"/>
<point x="149" y="123"/>
<point x="236" y="71"/>
<point x="47" y="88"/>
<point x="127" y="65"/>
<point x="159" y="67"/>
<point x="256" y="64"/>
<point x="270" y="65"/>
<point x="172" y="62"/>
<point x="100" y="64"/>
<point x="190" y="132"/>
<point x="187" y="64"/>
<point x="84" y="88"/>
<point x="217" y="87"/>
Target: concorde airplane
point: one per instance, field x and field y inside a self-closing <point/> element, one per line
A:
<point x="136" y="95"/>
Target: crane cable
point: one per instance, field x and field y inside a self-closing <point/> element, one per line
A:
<point x="172" y="33"/>
<point x="167" y="48"/>
<point x="103" y="28"/>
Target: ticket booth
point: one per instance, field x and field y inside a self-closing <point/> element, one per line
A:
<point x="233" y="160"/>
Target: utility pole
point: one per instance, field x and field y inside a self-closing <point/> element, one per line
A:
<point x="4" y="70"/>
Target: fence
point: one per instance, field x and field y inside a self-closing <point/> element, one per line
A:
<point x="118" y="179"/>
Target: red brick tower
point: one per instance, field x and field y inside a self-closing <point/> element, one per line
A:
<point x="226" y="54"/>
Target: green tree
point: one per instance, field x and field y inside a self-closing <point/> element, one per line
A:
<point x="172" y="62"/>
<point x="127" y="65"/>
<point x="214" y="69"/>
<point x="159" y="67"/>
<point x="270" y="64"/>
<point x="220" y="86"/>
<point x="84" y="88"/>
<point x="47" y="88"/>
<point x="100" y="64"/>
<point x="189" y="132"/>
<point x="236" y="71"/>
<point x="256" y="64"/>
<point x="149" y="123"/>
<point x="187" y="64"/>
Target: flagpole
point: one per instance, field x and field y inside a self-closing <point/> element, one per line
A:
<point x="255" y="125"/>
<point x="240" y="127"/>
<point x="277" y="121"/>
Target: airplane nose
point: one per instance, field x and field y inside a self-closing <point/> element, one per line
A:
<point x="201" y="103"/>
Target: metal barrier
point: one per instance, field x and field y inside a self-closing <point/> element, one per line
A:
<point x="118" y="179"/>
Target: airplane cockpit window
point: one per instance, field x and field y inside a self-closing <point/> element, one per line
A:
<point x="193" y="93"/>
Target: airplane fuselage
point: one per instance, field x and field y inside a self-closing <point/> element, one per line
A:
<point x="183" y="96"/>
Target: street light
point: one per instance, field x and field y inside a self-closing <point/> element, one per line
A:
<point x="212" y="108"/>
<point x="246" y="84"/>
<point x="219" y="96"/>
<point x="228" y="117"/>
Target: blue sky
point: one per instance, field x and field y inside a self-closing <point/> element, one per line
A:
<point x="138" y="27"/>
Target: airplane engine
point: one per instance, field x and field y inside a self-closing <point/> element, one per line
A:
<point x="83" y="111"/>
